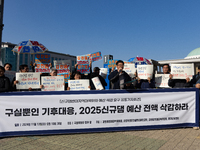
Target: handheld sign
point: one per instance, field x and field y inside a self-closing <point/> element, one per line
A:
<point x="97" y="83"/>
<point x="42" y="63"/>
<point x="161" y="80"/>
<point x="112" y="63"/>
<point x="66" y="76"/>
<point x="96" y="56"/>
<point x="182" y="71"/>
<point x="128" y="62"/>
<point x="53" y="83"/>
<point x="63" y="68"/>
<point x="145" y="71"/>
<point x="10" y="75"/>
<point x="82" y="84"/>
<point x="83" y="64"/>
<point x="130" y="69"/>
<point x="27" y="80"/>
<point x="103" y="72"/>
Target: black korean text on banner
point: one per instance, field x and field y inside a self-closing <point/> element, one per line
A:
<point x="85" y="111"/>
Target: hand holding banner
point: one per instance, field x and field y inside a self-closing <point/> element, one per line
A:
<point x="161" y="80"/>
<point x="112" y="63"/>
<point x="83" y="64"/>
<point x="63" y="68"/>
<point x="43" y="63"/>
<point x="103" y="72"/>
<point x="145" y="71"/>
<point x="53" y="83"/>
<point x="130" y="69"/>
<point x="96" y="56"/>
<point x="97" y="83"/>
<point x="82" y="84"/>
<point x="182" y="71"/>
<point x="27" y="80"/>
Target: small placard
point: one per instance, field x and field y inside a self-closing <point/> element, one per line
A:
<point x="161" y="80"/>
<point x="145" y="71"/>
<point x="182" y="71"/>
<point x="82" y="84"/>
<point x="53" y="83"/>
<point x="27" y="80"/>
<point x="97" y="83"/>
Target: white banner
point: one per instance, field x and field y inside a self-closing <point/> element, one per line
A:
<point x="182" y="71"/>
<point x="103" y="72"/>
<point x="82" y="84"/>
<point x="27" y="80"/>
<point x="99" y="110"/>
<point x="161" y="80"/>
<point x="130" y="69"/>
<point x="53" y="83"/>
<point x="10" y="75"/>
<point x="145" y="71"/>
<point x="97" y="83"/>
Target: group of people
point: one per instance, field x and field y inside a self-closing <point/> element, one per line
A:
<point x="7" y="85"/>
<point x="119" y="79"/>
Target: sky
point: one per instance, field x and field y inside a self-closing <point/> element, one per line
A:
<point x="154" y="29"/>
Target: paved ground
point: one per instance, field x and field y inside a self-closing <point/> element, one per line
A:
<point x="168" y="139"/>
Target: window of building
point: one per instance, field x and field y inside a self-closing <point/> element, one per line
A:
<point x="26" y="59"/>
<point x="31" y="58"/>
<point x="73" y="63"/>
<point x="21" y="59"/>
<point x="52" y="59"/>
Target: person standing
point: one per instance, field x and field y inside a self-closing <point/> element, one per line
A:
<point x="94" y="74"/>
<point x="196" y="79"/>
<point x="119" y="77"/>
<point x="23" y="69"/>
<point x="8" y="67"/>
<point x="166" y="69"/>
<point x="4" y="81"/>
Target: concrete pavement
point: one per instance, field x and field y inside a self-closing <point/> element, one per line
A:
<point x="168" y="139"/>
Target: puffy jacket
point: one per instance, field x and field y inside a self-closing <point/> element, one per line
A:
<point x="179" y="83"/>
<point x="4" y="84"/>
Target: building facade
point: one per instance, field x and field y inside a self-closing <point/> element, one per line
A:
<point x="10" y="57"/>
<point x="192" y="57"/>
